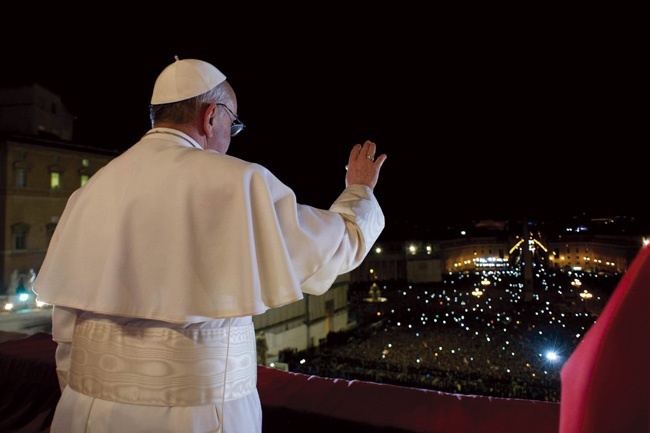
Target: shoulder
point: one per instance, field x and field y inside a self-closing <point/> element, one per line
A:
<point x="250" y="173"/>
<point x="229" y="162"/>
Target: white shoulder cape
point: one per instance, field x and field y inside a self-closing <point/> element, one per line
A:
<point x="167" y="232"/>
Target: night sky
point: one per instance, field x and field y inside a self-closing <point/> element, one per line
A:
<point x="482" y="116"/>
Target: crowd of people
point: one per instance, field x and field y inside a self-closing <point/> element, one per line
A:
<point x="445" y="338"/>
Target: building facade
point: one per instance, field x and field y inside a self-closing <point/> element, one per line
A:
<point x="39" y="169"/>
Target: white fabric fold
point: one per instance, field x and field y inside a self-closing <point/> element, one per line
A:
<point x="169" y="232"/>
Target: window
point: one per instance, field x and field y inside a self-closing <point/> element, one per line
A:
<point x="329" y="308"/>
<point x="21" y="177"/>
<point x="84" y="171"/>
<point x="21" y="167"/>
<point x="55" y="180"/>
<point x="55" y="173"/>
<point x="19" y="232"/>
<point x="20" y="241"/>
<point x="49" y="228"/>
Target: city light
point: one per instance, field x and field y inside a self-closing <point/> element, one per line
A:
<point x="552" y="355"/>
<point x="586" y="295"/>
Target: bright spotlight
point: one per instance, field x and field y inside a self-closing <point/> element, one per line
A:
<point x="552" y="355"/>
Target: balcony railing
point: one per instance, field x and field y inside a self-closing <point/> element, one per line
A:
<point x="290" y="401"/>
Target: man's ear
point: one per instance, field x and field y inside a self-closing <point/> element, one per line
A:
<point x="209" y="119"/>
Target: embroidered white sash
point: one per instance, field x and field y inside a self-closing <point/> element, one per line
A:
<point x="163" y="366"/>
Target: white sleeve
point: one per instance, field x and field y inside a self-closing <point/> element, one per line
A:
<point x="63" y="320"/>
<point x="364" y="222"/>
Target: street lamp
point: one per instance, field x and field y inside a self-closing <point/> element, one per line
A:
<point x="586" y="296"/>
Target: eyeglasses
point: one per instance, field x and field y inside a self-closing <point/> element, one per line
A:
<point x="237" y="126"/>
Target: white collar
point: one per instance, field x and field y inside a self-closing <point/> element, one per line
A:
<point x="175" y="133"/>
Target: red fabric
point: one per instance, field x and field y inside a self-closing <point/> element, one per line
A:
<point x="406" y="409"/>
<point x="604" y="383"/>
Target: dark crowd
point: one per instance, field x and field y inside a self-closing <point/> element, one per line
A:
<point x="482" y="334"/>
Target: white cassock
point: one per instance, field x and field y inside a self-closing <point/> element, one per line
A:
<point x="155" y="269"/>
